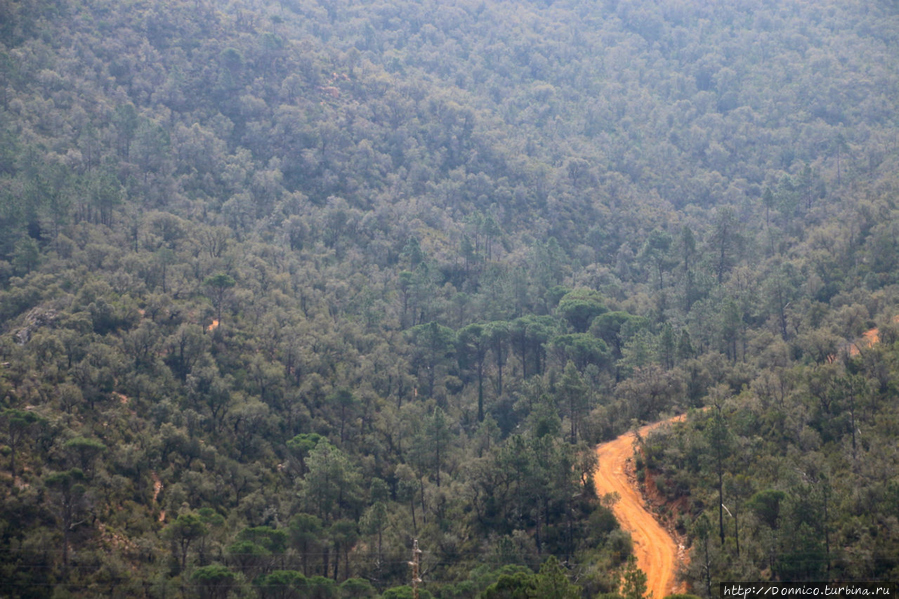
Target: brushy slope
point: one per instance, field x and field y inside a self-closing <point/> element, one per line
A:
<point x="285" y="286"/>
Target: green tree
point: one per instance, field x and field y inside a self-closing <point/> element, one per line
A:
<point x="780" y="290"/>
<point x="305" y="530"/>
<point x="331" y="485"/>
<point x="214" y="581"/>
<point x="213" y="521"/>
<point x="281" y="584"/>
<point x="18" y="426"/>
<point x="552" y="583"/>
<point x="498" y="336"/>
<point x="688" y="258"/>
<point x="125" y="121"/>
<point x="404" y="592"/>
<point x="616" y="328"/>
<point x="344" y="533"/>
<point x="357" y="588"/>
<point x="491" y="231"/>
<point x="218" y="286"/>
<point x="345" y="402"/>
<point x="473" y="346"/>
<point x="702" y="531"/>
<point x="720" y="443"/>
<point x="85" y="451"/>
<point x="731" y="328"/>
<point x="413" y="253"/>
<point x="209" y="394"/>
<point x="433" y="344"/>
<point x="581" y="349"/>
<point x="374" y="520"/>
<point x="407" y="487"/>
<point x="766" y="506"/>
<point x="51" y="187"/>
<point x="633" y="583"/>
<point x="738" y="487"/>
<point x="527" y="336"/>
<point x="273" y="540"/>
<point x="249" y="558"/>
<point x="725" y="240"/>
<point x="574" y="395"/>
<point x="406" y="283"/>
<point x="520" y="585"/>
<point x="656" y="252"/>
<point x="436" y="439"/>
<point x="103" y="194"/>
<point x="150" y="148"/>
<point x="768" y="200"/>
<point x="580" y="307"/>
<point x="70" y="499"/>
<point x="321" y="587"/>
<point x="185" y="349"/>
<point x="186" y="529"/>
<point x="301" y="445"/>
<point x="26" y="256"/>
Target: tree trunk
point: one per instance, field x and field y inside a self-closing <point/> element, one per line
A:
<point x="499" y="370"/>
<point x="336" y="561"/>
<point x="346" y="561"/>
<point x="481" y="391"/>
<point x="721" y="502"/>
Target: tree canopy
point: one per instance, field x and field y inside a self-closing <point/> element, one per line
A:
<point x="285" y="286"/>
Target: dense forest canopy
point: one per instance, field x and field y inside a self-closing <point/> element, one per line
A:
<point x="284" y="286"/>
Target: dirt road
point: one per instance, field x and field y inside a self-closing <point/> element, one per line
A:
<point x="654" y="548"/>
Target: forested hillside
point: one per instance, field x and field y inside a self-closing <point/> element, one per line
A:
<point x="285" y="286"/>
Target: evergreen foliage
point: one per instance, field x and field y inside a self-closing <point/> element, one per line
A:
<point x="285" y="286"/>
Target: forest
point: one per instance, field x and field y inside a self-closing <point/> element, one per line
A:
<point x="285" y="286"/>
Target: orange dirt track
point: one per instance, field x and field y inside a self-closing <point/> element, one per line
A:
<point x="655" y="549"/>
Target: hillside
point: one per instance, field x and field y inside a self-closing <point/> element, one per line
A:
<point x="286" y="285"/>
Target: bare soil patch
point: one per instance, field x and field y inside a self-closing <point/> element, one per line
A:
<point x="657" y="551"/>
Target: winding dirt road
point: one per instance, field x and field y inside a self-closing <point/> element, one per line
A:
<point x="654" y="548"/>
